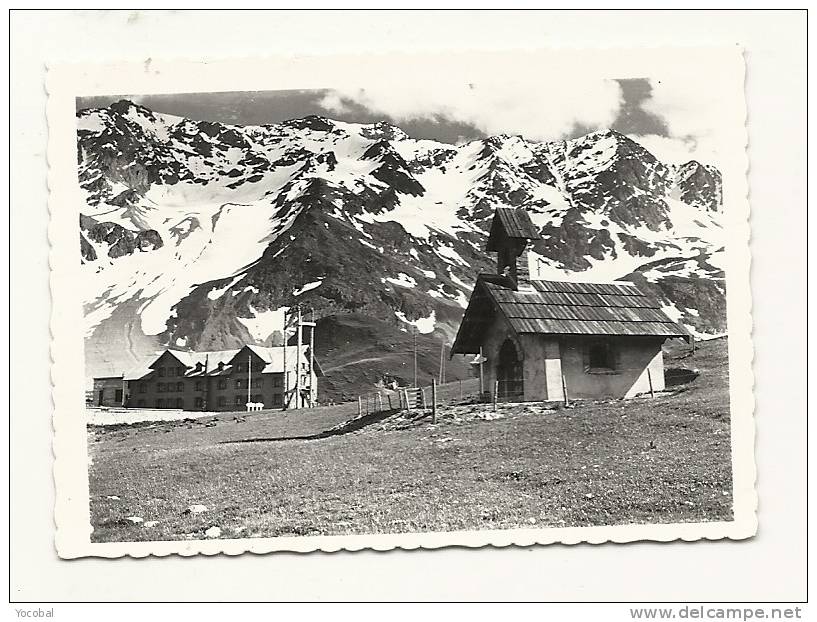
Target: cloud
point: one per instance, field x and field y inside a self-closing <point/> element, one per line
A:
<point x="699" y="114"/>
<point x="688" y="108"/>
<point x="672" y="150"/>
<point x="538" y="106"/>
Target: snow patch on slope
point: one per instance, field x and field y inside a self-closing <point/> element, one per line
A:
<point x="424" y="325"/>
<point x="308" y="287"/>
<point x="402" y="280"/>
<point x="218" y="292"/>
<point x="264" y="322"/>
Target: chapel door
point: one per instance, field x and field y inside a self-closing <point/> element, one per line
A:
<point x="509" y="372"/>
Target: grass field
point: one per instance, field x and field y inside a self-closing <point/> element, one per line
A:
<point x="283" y="473"/>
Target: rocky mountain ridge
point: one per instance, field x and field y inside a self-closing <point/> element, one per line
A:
<point x="206" y="232"/>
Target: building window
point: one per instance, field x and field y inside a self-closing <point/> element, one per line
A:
<point x="160" y="403"/>
<point x="180" y="386"/>
<point x="239" y="399"/>
<point x="239" y="367"/>
<point x="199" y="402"/>
<point x="277" y="380"/>
<point x="142" y="387"/>
<point x="222" y="384"/>
<point x="198" y="385"/>
<point x="118" y="396"/>
<point x="222" y="400"/>
<point x="239" y="384"/>
<point x="160" y="387"/>
<point x="600" y="357"/>
<point x="171" y="371"/>
<point x="179" y="403"/>
<point x="161" y="372"/>
<point x="181" y="371"/>
<point x="277" y="399"/>
<point x="256" y="383"/>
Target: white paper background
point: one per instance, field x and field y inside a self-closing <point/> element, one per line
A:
<point x="771" y="567"/>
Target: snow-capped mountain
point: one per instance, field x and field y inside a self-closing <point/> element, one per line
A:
<point x="197" y="234"/>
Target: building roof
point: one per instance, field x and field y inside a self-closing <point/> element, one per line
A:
<point x="211" y="357"/>
<point x="562" y="308"/>
<point x="274" y="358"/>
<point x="207" y="363"/>
<point x="515" y="223"/>
<point x="141" y="371"/>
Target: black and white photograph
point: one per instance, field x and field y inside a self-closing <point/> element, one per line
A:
<point x="444" y="307"/>
<point x="487" y="308"/>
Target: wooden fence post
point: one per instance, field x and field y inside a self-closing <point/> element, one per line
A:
<point x="359" y="405"/>
<point x="460" y="390"/>
<point x="496" y="392"/>
<point x="433" y="401"/>
<point x="379" y="401"/>
<point x="481" y="377"/>
<point x="564" y="390"/>
<point x="405" y="396"/>
<point x="388" y="395"/>
<point x="423" y="393"/>
<point x="649" y="379"/>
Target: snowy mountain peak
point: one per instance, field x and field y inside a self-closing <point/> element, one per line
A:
<point x="311" y="122"/>
<point x="382" y="130"/>
<point x="199" y="232"/>
<point x="125" y="106"/>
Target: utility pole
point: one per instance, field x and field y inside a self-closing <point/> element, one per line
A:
<point x="298" y="363"/>
<point x="312" y="360"/>
<point x="442" y="362"/>
<point x="286" y="371"/>
<point x="207" y="383"/>
<point x="415" y="356"/>
<point x="433" y="402"/>
<point x="249" y="379"/>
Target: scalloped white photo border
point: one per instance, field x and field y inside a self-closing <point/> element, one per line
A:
<point x="66" y="82"/>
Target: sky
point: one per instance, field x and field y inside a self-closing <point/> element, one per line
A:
<point x="670" y="120"/>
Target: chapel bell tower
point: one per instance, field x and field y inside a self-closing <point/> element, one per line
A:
<point x="511" y="230"/>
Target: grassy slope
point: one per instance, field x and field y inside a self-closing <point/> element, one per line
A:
<point x="614" y="462"/>
<point x="356" y="352"/>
